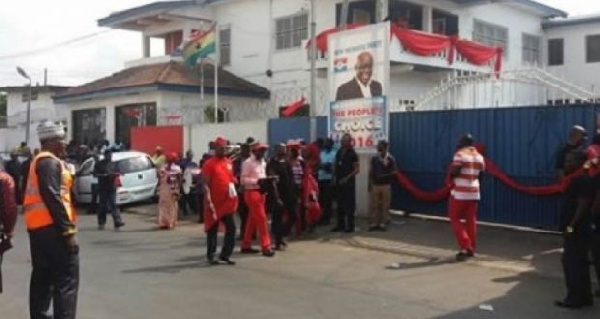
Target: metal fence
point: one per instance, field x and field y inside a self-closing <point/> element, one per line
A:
<point x="523" y="142"/>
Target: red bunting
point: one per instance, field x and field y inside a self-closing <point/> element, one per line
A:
<point x="423" y="43"/>
<point x="292" y="108"/>
<point x="323" y="36"/>
<point x="492" y="169"/>
<point x="479" y="54"/>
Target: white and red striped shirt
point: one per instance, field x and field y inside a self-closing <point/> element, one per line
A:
<point x="466" y="184"/>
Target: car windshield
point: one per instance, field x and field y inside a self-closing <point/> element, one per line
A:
<point x="134" y="164"/>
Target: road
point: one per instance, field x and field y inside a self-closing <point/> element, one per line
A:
<point x="146" y="273"/>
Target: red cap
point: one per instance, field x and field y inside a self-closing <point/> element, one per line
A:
<point x="172" y="157"/>
<point x="259" y="146"/>
<point x="293" y="144"/>
<point x="220" y="142"/>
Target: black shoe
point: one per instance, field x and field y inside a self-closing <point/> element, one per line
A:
<point x="268" y="253"/>
<point x="349" y="231"/>
<point x="463" y="255"/>
<point x="382" y="229"/>
<point x="373" y="228"/>
<point x="597" y="293"/>
<point x="249" y="251"/>
<point x="336" y="230"/>
<point x="212" y="261"/>
<point x="572" y="305"/>
<point x="119" y="225"/>
<point x="227" y="261"/>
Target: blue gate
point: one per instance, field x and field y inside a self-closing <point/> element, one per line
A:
<point x="523" y="142"/>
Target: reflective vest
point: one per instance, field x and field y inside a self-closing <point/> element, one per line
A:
<point x="37" y="215"/>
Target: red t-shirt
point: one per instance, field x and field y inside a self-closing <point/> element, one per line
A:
<point x="220" y="173"/>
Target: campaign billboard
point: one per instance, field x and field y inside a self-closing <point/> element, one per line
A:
<point x="358" y="84"/>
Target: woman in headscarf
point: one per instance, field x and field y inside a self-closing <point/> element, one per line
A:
<point x="168" y="196"/>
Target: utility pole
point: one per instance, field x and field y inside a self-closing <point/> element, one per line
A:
<point x="24" y="74"/>
<point x="313" y="72"/>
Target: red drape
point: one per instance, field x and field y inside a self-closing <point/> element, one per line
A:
<point x="493" y="170"/>
<point x="422" y="43"/>
<point x="479" y="54"/>
<point x="292" y="108"/>
<point x="323" y="36"/>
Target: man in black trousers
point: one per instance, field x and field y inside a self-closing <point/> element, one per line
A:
<point x="282" y="198"/>
<point x="347" y="167"/>
<point x="576" y="227"/>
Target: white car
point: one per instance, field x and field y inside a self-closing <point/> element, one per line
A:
<point x="138" y="178"/>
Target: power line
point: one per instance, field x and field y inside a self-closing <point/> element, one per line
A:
<point x="54" y="46"/>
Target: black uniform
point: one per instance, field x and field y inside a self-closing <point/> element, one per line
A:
<point x="55" y="276"/>
<point x="285" y="189"/>
<point x="575" y="258"/>
<point x="346" y="192"/>
<point x="107" y="191"/>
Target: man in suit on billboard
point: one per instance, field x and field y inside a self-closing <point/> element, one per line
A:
<point x="363" y="85"/>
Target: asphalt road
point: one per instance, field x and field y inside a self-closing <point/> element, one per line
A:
<point x="145" y="273"/>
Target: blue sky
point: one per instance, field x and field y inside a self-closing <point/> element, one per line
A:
<point x="31" y="24"/>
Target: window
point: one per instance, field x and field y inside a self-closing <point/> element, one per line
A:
<point x="556" y="51"/>
<point x="134" y="165"/>
<point x="491" y="35"/>
<point x="225" y="46"/>
<point x="361" y="16"/>
<point x="592" y="48"/>
<point x="531" y="49"/>
<point x="290" y="31"/>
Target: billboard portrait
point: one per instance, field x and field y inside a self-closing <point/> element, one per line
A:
<point x="358" y="83"/>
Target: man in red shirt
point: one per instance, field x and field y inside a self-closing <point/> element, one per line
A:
<point x="221" y="202"/>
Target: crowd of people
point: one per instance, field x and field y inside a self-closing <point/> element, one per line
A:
<point x="298" y="187"/>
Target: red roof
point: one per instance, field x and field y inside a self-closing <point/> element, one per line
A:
<point x="171" y="74"/>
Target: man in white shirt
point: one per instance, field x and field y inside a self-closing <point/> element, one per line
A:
<point x="363" y="85"/>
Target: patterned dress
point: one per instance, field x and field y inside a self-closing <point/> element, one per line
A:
<point x="168" y="196"/>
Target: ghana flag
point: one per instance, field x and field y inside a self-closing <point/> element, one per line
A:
<point x="199" y="46"/>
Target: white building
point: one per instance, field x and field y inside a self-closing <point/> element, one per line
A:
<point x="573" y="50"/>
<point x="263" y="42"/>
<point x="42" y="108"/>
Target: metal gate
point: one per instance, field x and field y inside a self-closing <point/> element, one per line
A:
<point x="523" y="142"/>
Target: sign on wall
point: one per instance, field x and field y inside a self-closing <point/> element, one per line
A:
<point x="358" y="83"/>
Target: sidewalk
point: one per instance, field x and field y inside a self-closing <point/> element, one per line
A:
<point x="432" y="240"/>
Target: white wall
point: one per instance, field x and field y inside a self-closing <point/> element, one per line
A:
<point x="109" y="103"/>
<point x="575" y="67"/>
<point x="197" y="137"/>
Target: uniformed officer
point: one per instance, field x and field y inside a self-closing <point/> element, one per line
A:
<point x="50" y="219"/>
<point x="576" y="227"/>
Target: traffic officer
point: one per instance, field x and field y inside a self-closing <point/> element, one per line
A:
<point x="50" y="219"/>
<point x="576" y="227"/>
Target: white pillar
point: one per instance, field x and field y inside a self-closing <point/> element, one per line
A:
<point x="111" y="128"/>
<point x="382" y="10"/>
<point x="427" y="19"/>
<point x="146" y="46"/>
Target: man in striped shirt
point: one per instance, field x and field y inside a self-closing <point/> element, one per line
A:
<point x="466" y="170"/>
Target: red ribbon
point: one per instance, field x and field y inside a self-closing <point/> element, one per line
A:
<point x="492" y="169"/>
<point x="423" y="43"/>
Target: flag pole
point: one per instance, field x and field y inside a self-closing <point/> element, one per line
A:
<point x="216" y="77"/>
<point x="202" y="84"/>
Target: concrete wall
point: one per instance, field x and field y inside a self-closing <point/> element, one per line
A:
<point x="197" y="137"/>
<point x="575" y="67"/>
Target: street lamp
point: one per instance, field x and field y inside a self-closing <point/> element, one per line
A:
<point x="24" y="74"/>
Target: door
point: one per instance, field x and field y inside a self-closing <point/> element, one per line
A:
<point x="83" y="181"/>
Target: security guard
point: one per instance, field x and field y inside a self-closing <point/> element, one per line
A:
<point x="50" y="219"/>
<point x="576" y="227"/>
